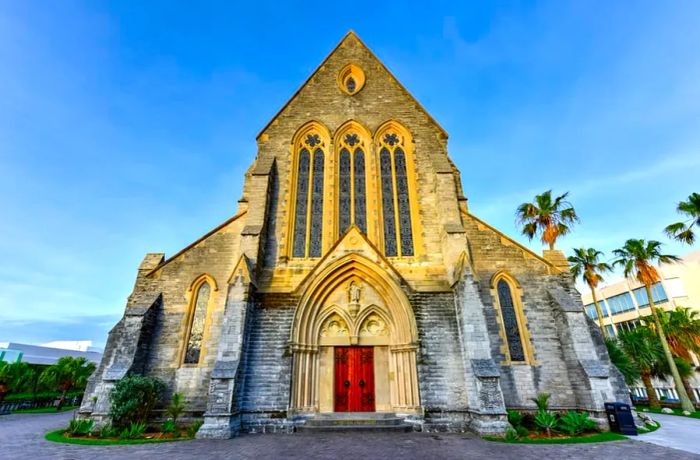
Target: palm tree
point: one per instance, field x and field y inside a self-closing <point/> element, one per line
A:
<point x="551" y="218"/>
<point x="682" y="328"/>
<point x="683" y="231"/>
<point x="637" y="257"/>
<point x="68" y="373"/>
<point x="643" y="348"/>
<point x="627" y="367"/>
<point x="11" y="377"/>
<point x="586" y="263"/>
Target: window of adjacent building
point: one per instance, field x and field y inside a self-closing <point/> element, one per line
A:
<point x="592" y="313"/>
<point x="352" y="193"/>
<point x="627" y="325"/>
<point x="308" y="214"/>
<point x="620" y="303"/>
<point x="198" y="316"/>
<point x="657" y="293"/>
<point x="610" y="330"/>
<point x="396" y="209"/>
<point x="510" y="321"/>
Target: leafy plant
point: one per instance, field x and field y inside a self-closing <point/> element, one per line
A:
<point x="133" y="398"/>
<point x="546" y="421"/>
<point x="627" y="366"/>
<point x="168" y="426"/>
<point x="108" y="431"/>
<point x="522" y="431"/>
<point x="176" y="406"/>
<point x="194" y="427"/>
<point x="542" y="401"/>
<point x="79" y="427"/>
<point x="511" y="435"/>
<point x="576" y="423"/>
<point x="515" y="418"/>
<point x="133" y="431"/>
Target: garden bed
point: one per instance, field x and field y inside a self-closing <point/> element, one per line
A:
<point x="44" y="410"/>
<point x="64" y="436"/>
<point x="560" y="438"/>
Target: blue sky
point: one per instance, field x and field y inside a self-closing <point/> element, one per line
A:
<point x="126" y="127"/>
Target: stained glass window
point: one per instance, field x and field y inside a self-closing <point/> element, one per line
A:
<point x="344" y="208"/>
<point x="199" y="316"/>
<point x="299" y="246"/>
<point x="510" y="322"/>
<point x="360" y="195"/>
<point x="390" y="248"/>
<point x="404" y="206"/>
<point x="316" y="206"/>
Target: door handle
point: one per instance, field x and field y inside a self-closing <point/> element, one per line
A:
<point x="347" y="383"/>
<point x="362" y="383"/>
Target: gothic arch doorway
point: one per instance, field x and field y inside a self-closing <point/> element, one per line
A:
<point x="354" y="342"/>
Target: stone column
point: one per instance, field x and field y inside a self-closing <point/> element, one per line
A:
<point x="221" y="419"/>
<point x="486" y="407"/>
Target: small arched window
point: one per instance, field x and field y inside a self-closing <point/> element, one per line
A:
<point x="308" y="214"/>
<point x="396" y="207"/>
<point x="511" y="318"/>
<point x="352" y="193"/>
<point x="198" y="317"/>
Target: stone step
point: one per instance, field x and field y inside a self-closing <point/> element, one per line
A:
<point x="355" y="421"/>
<point x="403" y="428"/>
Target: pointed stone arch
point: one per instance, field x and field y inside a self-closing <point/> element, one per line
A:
<point x="326" y="294"/>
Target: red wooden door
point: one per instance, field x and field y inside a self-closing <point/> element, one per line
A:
<point x="354" y="379"/>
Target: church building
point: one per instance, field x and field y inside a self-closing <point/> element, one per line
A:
<point x="353" y="279"/>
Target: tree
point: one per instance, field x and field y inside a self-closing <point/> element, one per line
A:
<point x="627" y="367"/>
<point x="682" y="328"/>
<point x="683" y="231"/>
<point x="68" y="373"/>
<point x="11" y="377"/>
<point x="637" y="258"/>
<point x="551" y="218"/>
<point x="586" y="264"/>
<point x="642" y="347"/>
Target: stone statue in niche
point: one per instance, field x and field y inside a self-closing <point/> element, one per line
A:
<point x="354" y="292"/>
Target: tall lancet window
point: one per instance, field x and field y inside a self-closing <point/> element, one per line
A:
<point x="308" y="214"/>
<point x="197" y="320"/>
<point x="511" y="323"/>
<point x="396" y="204"/>
<point x="352" y="193"/>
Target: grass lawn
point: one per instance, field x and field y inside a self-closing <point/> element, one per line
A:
<point x="598" y="437"/>
<point x="678" y="412"/>
<point x="57" y="436"/>
<point x="44" y="410"/>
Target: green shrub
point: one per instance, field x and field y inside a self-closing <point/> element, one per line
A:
<point x="133" y="398"/>
<point x="78" y="427"/>
<point x="542" y="401"/>
<point x="108" y="431"/>
<point x="176" y="406"/>
<point x="168" y="426"/>
<point x="133" y="431"/>
<point x="522" y="431"/>
<point x="546" y="421"/>
<point x="511" y="435"/>
<point x="515" y="418"/>
<point x="194" y="427"/>
<point x="576" y="423"/>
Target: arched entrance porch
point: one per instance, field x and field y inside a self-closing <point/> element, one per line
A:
<point x="354" y="336"/>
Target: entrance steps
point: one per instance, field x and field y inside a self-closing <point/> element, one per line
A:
<point x="355" y="421"/>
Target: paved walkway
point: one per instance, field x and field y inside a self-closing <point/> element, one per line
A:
<point x="678" y="432"/>
<point x="22" y="437"/>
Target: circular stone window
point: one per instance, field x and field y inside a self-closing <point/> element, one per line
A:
<point x="351" y="79"/>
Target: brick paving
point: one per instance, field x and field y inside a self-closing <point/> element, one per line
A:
<point x="22" y="437"/>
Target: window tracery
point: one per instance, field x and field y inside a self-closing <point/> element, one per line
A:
<point x="396" y="205"/>
<point x="308" y="211"/>
<point x="352" y="193"/>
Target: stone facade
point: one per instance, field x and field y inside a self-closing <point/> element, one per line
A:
<point x="435" y="315"/>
